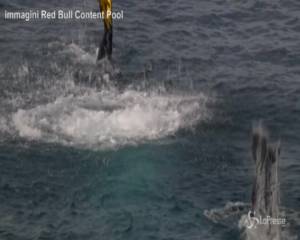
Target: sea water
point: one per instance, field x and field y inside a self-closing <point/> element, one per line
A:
<point x="141" y="149"/>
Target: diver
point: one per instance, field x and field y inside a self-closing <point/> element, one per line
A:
<point x="105" y="47"/>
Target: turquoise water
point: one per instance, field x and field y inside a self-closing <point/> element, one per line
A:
<point x="164" y="137"/>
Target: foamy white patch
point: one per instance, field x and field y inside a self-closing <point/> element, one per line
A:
<point x="3" y="125"/>
<point x="110" y="119"/>
<point x="218" y="215"/>
<point x="80" y="54"/>
<point x="259" y="232"/>
<point x="20" y="119"/>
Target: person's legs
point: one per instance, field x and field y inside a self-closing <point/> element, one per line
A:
<point x="102" y="47"/>
<point x="109" y="43"/>
<point x="105" y="47"/>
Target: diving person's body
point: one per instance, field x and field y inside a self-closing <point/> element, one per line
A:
<point x="105" y="47"/>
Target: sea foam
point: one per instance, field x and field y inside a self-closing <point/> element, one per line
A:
<point x="110" y="119"/>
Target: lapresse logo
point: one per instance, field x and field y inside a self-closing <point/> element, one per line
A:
<point x="252" y="221"/>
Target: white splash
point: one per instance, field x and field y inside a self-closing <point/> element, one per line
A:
<point x="79" y="53"/>
<point x="235" y="214"/>
<point x="4" y="127"/>
<point x="110" y="119"/>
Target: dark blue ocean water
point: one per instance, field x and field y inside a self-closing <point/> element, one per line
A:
<point x="144" y="162"/>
